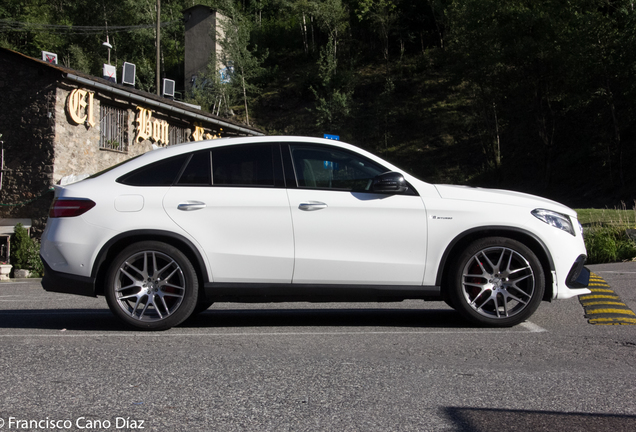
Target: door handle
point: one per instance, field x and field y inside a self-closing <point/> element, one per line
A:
<point x="312" y="206"/>
<point x="191" y="205"/>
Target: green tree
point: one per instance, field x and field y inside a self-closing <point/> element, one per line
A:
<point x="514" y="57"/>
<point x="606" y="39"/>
<point x="333" y="19"/>
<point x="333" y="93"/>
<point x="238" y="56"/>
<point x="25" y="253"/>
<point x="383" y="16"/>
<point x="305" y="10"/>
<point x="76" y="29"/>
<point x="546" y="79"/>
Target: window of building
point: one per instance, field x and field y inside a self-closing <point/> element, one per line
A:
<point x="177" y="135"/>
<point x="114" y="128"/>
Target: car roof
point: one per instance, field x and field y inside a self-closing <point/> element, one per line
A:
<point x="174" y="150"/>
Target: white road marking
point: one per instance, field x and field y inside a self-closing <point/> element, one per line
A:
<point x="614" y="271"/>
<point x="532" y="327"/>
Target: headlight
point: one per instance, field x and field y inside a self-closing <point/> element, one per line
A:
<point x="555" y="219"/>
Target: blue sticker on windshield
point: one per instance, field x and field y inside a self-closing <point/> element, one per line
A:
<point x="328" y="165"/>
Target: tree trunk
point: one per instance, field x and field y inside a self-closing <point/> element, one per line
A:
<point x="303" y="30"/>
<point x="247" y="115"/>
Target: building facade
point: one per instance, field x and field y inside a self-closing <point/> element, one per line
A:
<point x="59" y="125"/>
<point x="202" y="34"/>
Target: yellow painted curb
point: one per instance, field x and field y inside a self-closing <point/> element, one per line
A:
<point x="613" y="321"/>
<point x="592" y="296"/>
<point x="612" y="311"/>
<point x="601" y="290"/>
<point x="598" y="303"/>
<point x="605" y="296"/>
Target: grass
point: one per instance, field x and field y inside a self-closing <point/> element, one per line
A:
<point x="605" y="232"/>
<point x="621" y="217"/>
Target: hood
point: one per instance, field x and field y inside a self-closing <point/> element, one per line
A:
<point x="500" y="196"/>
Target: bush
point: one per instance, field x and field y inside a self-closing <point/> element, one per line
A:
<point x="608" y="244"/>
<point x="25" y="253"/>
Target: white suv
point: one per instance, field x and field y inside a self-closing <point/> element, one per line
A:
<point x="166" y="234"/>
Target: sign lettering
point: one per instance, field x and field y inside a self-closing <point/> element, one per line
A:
<point x="149" y="128"/>
<point x="80" y="107"/>
<point x="198" y="133"/>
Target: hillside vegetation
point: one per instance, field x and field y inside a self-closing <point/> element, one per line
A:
<point x="536" y="96"/>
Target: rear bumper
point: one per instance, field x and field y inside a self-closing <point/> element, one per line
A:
<point x="53" y="281"/>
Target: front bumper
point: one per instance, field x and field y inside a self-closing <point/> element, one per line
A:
<point x="579" y="275"/>
<point x="575" y="283"/>
<point x="53" y="281"/>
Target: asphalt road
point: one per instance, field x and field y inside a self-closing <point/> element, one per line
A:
<point x="67" y="364"/>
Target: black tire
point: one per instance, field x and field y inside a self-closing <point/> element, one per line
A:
<point x="497" y="282"/>
<point x="448" y="303"/>
<point x="152" y="286"/>
<point x="202" y="306"/>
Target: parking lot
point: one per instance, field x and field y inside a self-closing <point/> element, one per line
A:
<point x="68" y="364"/>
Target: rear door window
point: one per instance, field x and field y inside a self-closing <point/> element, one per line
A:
<point x="249" y="165"/>
<point x="197" y="172"/>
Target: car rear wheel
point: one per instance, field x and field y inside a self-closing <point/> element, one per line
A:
<point x="152" y="286"/>
<point x="498" y="282"/>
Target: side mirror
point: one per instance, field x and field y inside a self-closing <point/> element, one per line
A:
<point x="389" y="183"/>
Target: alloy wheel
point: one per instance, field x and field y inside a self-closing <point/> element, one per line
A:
<point x="149" y="286"/>
<point x="498" y="282"/>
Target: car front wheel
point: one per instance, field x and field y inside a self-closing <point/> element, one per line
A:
<point x="497" y="282"/>
<point x="152" y="286"/>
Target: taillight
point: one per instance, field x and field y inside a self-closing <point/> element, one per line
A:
<point x="70" y="207"/>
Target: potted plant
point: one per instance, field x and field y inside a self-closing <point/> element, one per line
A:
<point x="25" y="254"/>
<point x="5" y="270"/>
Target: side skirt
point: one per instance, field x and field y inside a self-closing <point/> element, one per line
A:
<point x="273" y="293"/>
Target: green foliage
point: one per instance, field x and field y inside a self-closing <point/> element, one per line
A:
<point x="19" y="251"/>
<point x="383" y="16"/>
<point x="605" y="233"/>
<point x="25" y="251"/>
<point x="239" y="56"/>
<point x="620" y="216"/>
<point x="76" y="29"/>
<point x="333" y="97"/>
<point x="332" y="18"/>
<point x="541" y="66"/>
<point x="78" y="60"/>
<point x="211" y="94"/>
<point x="34" y="262"/>
<point x="608" y="244"/>
<point x="515" y="94"/>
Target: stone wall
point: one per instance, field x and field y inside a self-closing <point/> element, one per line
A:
<point x="77" y="146"/>
<point x="27" y="118"/>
